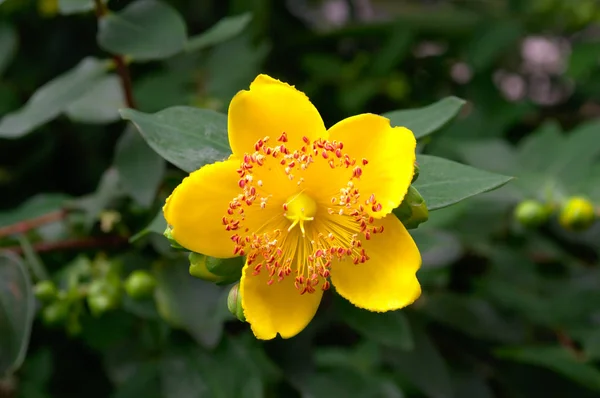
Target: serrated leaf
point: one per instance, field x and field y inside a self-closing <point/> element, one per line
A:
<point x="145" y="30"/>
<point x="52" y="98"/>
<point x="141" y="169"/>
<point x="443" y="182"/>
<point x="185" y="136"/>
<point x="223" y="30"/>
<point x="100" y="104"/>
<point x="426" y="120"/>
<point x="67" y="7"/>
<point x="16" y="312"/>
<point x="8" y="45"/>
<point x="557" y="359"/>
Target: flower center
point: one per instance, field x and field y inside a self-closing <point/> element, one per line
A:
<point x="298" y="209"/>
<point x="278" y="247"/>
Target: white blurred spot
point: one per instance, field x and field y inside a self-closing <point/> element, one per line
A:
<point x="461" y="73"/>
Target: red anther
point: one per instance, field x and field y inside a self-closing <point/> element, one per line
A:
<point x="242" y="183"/>
<point x="365" y="162"/>
<point x="357" y="172"/>
<point x="324" y="154"/>
<point x="306" y="140"/>
<point x="338" y="153"/>
<point x="283" y="137"/>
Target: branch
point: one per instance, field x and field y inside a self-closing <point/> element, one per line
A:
<point x="85" y="243"/>
<point x="119" y="60"/>
<point x="27" y="225"/>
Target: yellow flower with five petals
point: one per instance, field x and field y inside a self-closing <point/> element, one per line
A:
<point x="307" y="206"/>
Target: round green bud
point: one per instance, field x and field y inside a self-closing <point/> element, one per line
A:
<point x="577" y="214"/>
<point x="103" y="296"/>
<point x="45" y="291"/>
<point x="201" y="265"/>
<point x="531" y="213"/>
<point x="234" y="303"/>
<point x="140" y="284"/>
<point x="55" y="313"/>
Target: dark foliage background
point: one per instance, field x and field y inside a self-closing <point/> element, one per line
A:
<point x="507" y="311"/>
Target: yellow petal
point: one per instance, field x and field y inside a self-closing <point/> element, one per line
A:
<point x="270" y="108"/>
<point x="276" y="308"/>
<point x="390" y="152"/>
<point x="196" y="208"/>
<point x="386" y="281"/>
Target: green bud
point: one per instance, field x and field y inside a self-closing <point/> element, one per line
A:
<point x="45" y="291"/>
<point x="531" y="213"/>
<point x="416" y="173"/>
<point x="413" y="209"/>
<point x="56" y="313"/>
<point x="103" y="296"/>
<point x="140" y="284"/>
<point x="577" y="214"/>
<point x="215" y="269"/>
<point x="234" y="303"/>
<point x="169" y="235"/>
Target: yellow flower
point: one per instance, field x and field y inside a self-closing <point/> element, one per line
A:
<point x="307" y="206"/>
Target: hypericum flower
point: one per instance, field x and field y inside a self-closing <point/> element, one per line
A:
<point x="307" y="206"/>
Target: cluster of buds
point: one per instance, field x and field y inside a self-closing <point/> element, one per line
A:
<point x="95" y="285"/>
<point x="575" y="214"/>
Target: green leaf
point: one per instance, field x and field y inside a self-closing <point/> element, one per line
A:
<point x="583" y="60"/>
<point x="423" y="366"/>
<point x="489" y="43"/>
<point x="34" y="207"/>
<point x="67" y="7"/>
<point x="557" y="359"/>
<point x="444" y="182"/>
<point x="52" y="98"/>
<point x="191" y="304"/>
<point x="390" y="328"/>
<point x="100" y="104"/>
<point x="145" y="30"/>
<point x="225" y="29"/>
<point x="426" y="120"/>
<point x="157" y="225"/>
<point x="140" y="168"/>
<point x="95" y="203"/>
<point x="8" y="45"/>
<point x="16" y="312"/>
<point x="185" y="136"/>
<point x="438" y="248"/>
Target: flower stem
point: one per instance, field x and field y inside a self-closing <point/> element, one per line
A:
<point x="27" y="225"/>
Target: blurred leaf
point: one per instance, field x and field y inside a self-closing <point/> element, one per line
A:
<point x="33" y="260"/>
<point x="388" y="328"/>
<point x="491" y="41"/>
<point x="223" y="30"/>
<point x="16" y="312"/>
<point x="426" y="120"/>
<point x="392" y="51"/>
<point x="226" y="77"/>
<point x="140" y="168"/>
<point x="34" y="207"/>
<point x="364" y="358"/>
<point x="351" y="384"/>
<point x="491" y="154"/>
<point x="557" y="359"/>
<point x="423" y="366"/>
<point x="190" y="303"/>
<point x="470" y="315"/>
<point x="158" y="90"/>
<point x="537" y="149"/>
<point x="185" y="136"/>
<point x="158" y="225"/>
<point x="52" y="98"/>
<point x="108" y="189"/>
<point x="583" y="60"/>
<point x="471" y="385"/>
<point x="100" y="104"/>
<point x="143" y="382"/>
<point x="35" y="374"/>
<point x="8" y="45"/>
<point x="444" y="182"/>
<point x="67" y="7"/>
<point x="438" y="248"/>
<point x="145" y="30"/>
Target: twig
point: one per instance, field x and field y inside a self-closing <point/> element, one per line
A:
<point x="119" y="60"/>
<point x="27" y="225"/>
<point x="85" y="243"/>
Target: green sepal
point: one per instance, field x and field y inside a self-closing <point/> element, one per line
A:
<point x="221" y="271"/>
<point x="413" y="209"/>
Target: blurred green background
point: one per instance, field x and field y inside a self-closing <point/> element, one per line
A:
<point x="508" y="310"/>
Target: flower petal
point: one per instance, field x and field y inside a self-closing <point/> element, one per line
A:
<point x="386" y="281"/>
<point x="390" y="152"/>
<point x="270" y="108"/>
<point x="196" y="208"/>
<point x="276" y="308"/>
